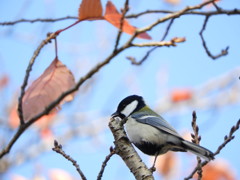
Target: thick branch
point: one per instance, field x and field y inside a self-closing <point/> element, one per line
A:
<point x="126" y="151"/>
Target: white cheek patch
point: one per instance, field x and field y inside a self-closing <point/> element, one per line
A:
<point x="129" y="108"/>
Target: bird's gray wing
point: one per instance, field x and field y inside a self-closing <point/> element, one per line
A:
<point x="155" y="121"/>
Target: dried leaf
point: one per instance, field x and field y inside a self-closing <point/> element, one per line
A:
<point x="43" y="123"/>
<point x="90" y="10"/>
<point x="114" y="17"/>
<point x="179" y="95"/>
<point x="55" y="80"/>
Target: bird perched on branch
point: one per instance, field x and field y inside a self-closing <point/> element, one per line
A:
<point x="153" y="135"/>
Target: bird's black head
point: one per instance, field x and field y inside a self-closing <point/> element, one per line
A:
<point x="128" y="106"/>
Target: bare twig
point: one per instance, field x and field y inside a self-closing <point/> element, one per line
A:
<point x="133" y="59"/>
<point x="196" y="139"/>
<point x="227" y="139"/>
<point x="104" y="164"/>
<point x="172" y="42"/>
<point x="37" y="20"/>
<point x="201" y="13"/>
<point x="124" y="12"/>
<point x="224" y="52"/>
<point x="58" y="149"/>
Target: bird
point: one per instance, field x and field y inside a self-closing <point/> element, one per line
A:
<point x="151" y="133"/>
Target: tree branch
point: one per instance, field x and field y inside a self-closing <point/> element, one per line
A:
<point x="201" y="13"/>
<point x="9" y="23"/>
<point x="224" y="52"/>
<point x="172" y="42"/>
<point x="196" y="139"/>
<point x="126" y="151"/>
<point x="227" y="139"/>
<point x="58" y="149"/>
<point x="104" y="164"/>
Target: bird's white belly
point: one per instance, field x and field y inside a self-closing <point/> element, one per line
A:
<point x="139" y="132"/>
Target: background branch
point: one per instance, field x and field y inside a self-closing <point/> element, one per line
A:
<point x="58" y="149"/>
<point x="224" y="52"/>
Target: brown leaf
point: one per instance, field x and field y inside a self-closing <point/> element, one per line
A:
<point x="114" y="17"/>
<point x="55" y="80"/>
<point x="90" y="10"/>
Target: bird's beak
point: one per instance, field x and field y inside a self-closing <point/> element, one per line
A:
<point x="115" y="114"/>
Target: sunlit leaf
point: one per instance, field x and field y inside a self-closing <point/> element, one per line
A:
<point x="55" y="80"/>
<point x="114" y="17"/>
<point x="90" y="10"/>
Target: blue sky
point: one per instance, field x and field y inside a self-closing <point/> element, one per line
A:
<point x="82" y="46"/>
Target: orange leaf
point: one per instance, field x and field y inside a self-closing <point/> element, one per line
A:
<point x="55" y="80"/>
<point x="218" y="170"/>
<point x="166" y="163"/>
<point x="90" y="10"/>
<point x="179" y="95"/>
<point x="114" y="17"/>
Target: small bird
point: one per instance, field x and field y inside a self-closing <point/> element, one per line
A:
<point x="150" y="133"/>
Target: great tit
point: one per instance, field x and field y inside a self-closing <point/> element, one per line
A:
<point x="150" y="133"/>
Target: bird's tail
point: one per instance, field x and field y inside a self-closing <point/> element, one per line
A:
<point x="198" y="150"/>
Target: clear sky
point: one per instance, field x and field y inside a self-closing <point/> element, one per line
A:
<point x="81" y="47"/>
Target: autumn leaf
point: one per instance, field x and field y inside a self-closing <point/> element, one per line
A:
<point x="166" y="164"/>
<point x="218" y="170"/>
<point x="179" y="95"/>
<point x="90" y="10"/>
<point x="55" y="80"/>
<point x="114" y="17"/>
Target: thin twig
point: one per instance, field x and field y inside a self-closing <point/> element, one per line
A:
<point x="104" y="164"/>
<point x="201" y="13"/>
<point x="227" y="139"/>
<point x="37" y="20"/>
<point x="172" y="42"/>
<point x="124" y="12"/>
<point x="58" y="149"/>
<point x="196" y="139"/>
<point x="224" y="52"/>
